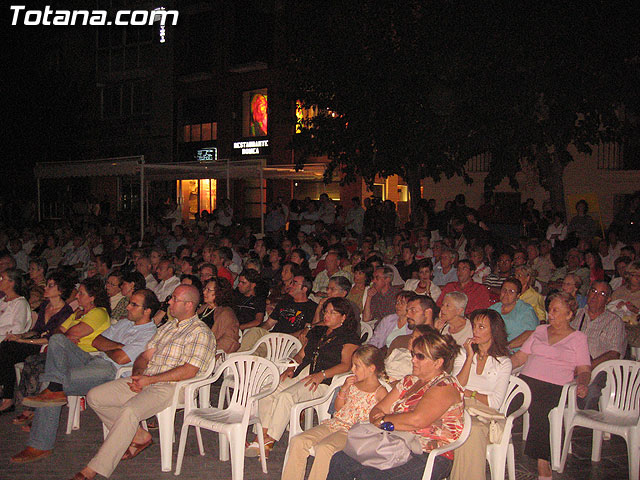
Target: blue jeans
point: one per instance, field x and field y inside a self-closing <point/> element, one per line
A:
<point x="78" y="372"/>
<point x="343" y="467"/>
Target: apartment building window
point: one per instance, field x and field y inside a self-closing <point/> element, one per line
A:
<point x="120" y="49"/>
<point x="126" y="99"/>
<point x="199" y="132"/>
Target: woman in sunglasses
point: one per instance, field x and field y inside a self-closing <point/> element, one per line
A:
<point x="428" y="403"/>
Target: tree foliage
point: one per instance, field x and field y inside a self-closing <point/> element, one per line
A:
<point x="415" y="88"/>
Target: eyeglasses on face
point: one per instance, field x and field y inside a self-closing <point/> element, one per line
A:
<point x="418" y="355"/>
<point x="597" y="292"/>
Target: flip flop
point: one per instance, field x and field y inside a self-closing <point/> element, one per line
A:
<point x="25" y="417"/>
<point x="137" y="448"/>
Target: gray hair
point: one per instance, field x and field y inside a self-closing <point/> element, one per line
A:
<point x="459" y="299"/>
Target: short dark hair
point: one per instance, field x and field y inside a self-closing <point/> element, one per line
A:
<point x="41" y="263"/>
<point x="252" y="276"/>
<point x="139" y="283"/>
<point x="65" y="283"/>
<point x="365" y="268"/>
<point x="150" y="300"/>
<point x="342" y="282"/>
<point x="468" y="262"/>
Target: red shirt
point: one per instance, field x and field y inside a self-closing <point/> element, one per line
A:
<point x="477" y="294"/>
<point x="224" y="272"/>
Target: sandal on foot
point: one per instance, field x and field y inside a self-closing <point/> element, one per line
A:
<point x="253" y="449"/>
<point x="137" y="448"/>
<point x="25" y="417"/>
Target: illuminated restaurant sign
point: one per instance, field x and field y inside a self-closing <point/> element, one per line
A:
<point x="252" y="147"/>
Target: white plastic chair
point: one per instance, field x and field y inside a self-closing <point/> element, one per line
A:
<point x="73" y="402"/>
<point x="619" y="412"/>
<point x="281" y="348"/>
<point x="556" y="422"/>
<point x="499" y="453"/>
<point x="635" y="353"/>
<point x="366" y="332"/>
<point x="428" y="469"/>
<point x="253" y="378"/>
<point x="166" y="418"/>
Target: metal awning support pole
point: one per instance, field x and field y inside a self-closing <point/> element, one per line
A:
<point x="141" y="199"/>
<point x="38" y="199"/>
<point x="228" y="180"/>
<point x="262" y="197"/>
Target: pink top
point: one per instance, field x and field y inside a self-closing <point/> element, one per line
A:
<point x="555" y="363"/>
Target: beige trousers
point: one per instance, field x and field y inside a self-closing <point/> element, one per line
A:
<point x="325" y="443"/>
<point x="275" y="409"/>
<point x="470" y="459"/>
<point x="121" y="410"/>
<point x="250" y="338"/>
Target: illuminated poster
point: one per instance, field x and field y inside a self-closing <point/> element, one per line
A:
<point x="255" y="113"/>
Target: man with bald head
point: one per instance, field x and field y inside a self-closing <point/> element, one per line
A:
<point x="182" y="348"/>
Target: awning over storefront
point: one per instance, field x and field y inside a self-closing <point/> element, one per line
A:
<point x="136" y="166"/>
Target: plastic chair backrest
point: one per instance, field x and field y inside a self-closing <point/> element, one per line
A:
<point x="621" y="394"/>
<point x="250" y="375"/>
<point x="280" y="346"/>
<point x="516" y="387"/>
<point x="366" y="332"/>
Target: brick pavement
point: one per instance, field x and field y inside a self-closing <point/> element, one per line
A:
<point x="73" y="451"/>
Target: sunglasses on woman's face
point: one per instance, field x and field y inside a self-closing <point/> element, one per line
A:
<point x="418" y="355"/>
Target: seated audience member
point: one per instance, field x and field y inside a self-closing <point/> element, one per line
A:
<point x="206" y="272"/>
<point x="327" y="352"/>
<point x="574" y="265"/>
<point x="452" y="320"/>
<point x="620" y="264"/>
<point x="358" y="395"/>
<point x="117" y="300"/>
<point x="339" y="287"/>
<point x="477" y="294"/>
<point x="247" y="305"/>
<point x="555" y="354"/>
<point x="444" y="271"/>
<point x="52" y="253"/>
<point x="519" y="317"/>
<point x="421" y="310"/>
<point x="221" y="259"/>
<point x="393" y="325"/>
<point x="626" y="298"/>
<point x="423" y="285"/>
<point x="37" y="272"/>
<point x="428" y="403"/>
<point x="72" y="371"/>
<point x="15" y="312"/>
<point x="17" y="347"/>
<point x="606" y="336"/>
<point x="526" y="275"/>
<point x="542" y="265"/>
<point x="181" y="348"/>
<point x="571" y="284"/>
<point x="382" y="303"/>
<point x="291" y="315"/>
<point x="557" y="231"/>
<point x="332" y="268"/>
<point x="485" y="379"/>
<point x="168" y="281"/>
<point x="273" y="265"/>
<point x="362" y="277"/>
<point x="217" y="313"/>
<point x="144" y="267"/>
<point x="78" y="257"/>
<point x="407" y="267"/>
<point x="482" y="269"/>
<point x="501" y="272"/>
<point x="188" y="266"/>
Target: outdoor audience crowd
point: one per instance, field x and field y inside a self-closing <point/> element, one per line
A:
<point x="453" y="306"/>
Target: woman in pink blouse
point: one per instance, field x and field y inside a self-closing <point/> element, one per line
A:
<point x="553" y="355"/>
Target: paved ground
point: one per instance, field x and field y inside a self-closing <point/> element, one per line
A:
<point x="73" y="451"/>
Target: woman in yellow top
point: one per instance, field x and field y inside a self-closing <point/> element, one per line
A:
<point x="92" y="318"/>
<point x="527" y="275"/>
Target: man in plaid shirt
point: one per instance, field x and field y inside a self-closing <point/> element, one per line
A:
<point x="182" y="347"/>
